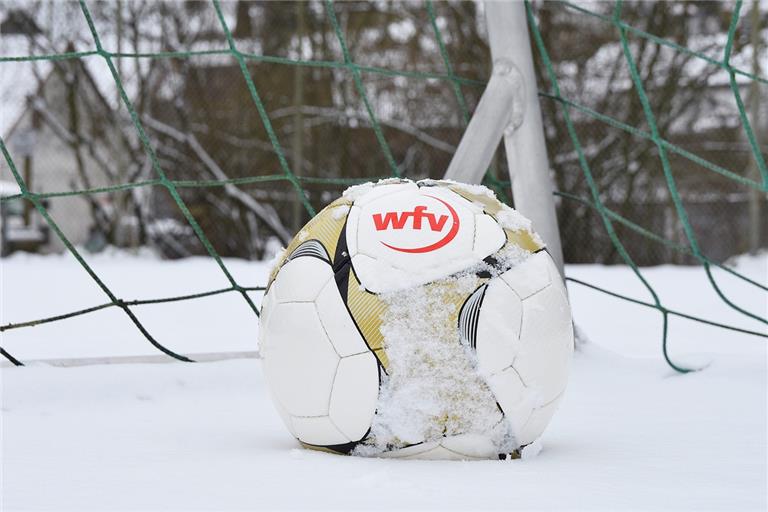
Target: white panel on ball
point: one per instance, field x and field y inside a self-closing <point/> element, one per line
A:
<point x="318" y="430"/>
<point x="489" y="237"/>
<point x="350" y="235"/>
<point x="375" y="275"/>
<point x="284" y="414"/>
<point x="498" y="327"/>
<point x="538" y="421"/>
<point x="471" y="445"/>
<point x="428" y="231"/>
<point x="338" y="324"/>
<point x="354" y="395"/>
<point x="377" y="192"/>
<point x="299" y="361"/>
<point x="267" y="305"/>
<point x="514" y="398"/>
<point x="411" y="452"/>
<point x="556" y="280"/>
<point x="547" y="335"/>
<point x="440" y="452"/>
<point x="301" y="279"/>
<point x="529" y="276"/>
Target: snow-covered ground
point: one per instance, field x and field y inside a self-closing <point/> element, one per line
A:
<point x="631" y="434"/>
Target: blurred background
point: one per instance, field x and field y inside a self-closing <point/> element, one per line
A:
<point x="67" y="129"/>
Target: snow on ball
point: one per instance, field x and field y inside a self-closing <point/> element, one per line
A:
<point x="416" y="320"/>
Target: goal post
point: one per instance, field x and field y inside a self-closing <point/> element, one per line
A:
<point x="509" y="109"/>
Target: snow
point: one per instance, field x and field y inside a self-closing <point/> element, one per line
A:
<point x="340" y="212"/>
<point x="9" y="188"/>
<point x="478" y="190"/>
<point x="355" y="192"/>
<point x="631" y="434"/>
<point x="512" y="220"/>
<point x="35" y="286"/>
<point x="684" y="289"/>
<point x="433" y="387"/>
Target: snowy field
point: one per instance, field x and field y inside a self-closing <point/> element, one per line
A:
<point x="631" y="434"/>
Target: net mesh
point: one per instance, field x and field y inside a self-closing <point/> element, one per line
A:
<point x="567" y="106"/>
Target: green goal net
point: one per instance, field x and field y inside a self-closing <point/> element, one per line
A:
<point x="352" y="92"/>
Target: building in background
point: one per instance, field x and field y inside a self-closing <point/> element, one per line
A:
<point x="54" y="144"/>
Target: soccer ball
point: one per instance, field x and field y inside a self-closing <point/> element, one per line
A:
<point x="416" y="320"/>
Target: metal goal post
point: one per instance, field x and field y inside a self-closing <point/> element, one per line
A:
<point x="509" y="109"/>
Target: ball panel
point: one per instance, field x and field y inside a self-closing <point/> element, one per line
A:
<point x="376" y="275"/>
<point x="410" y="452"/>
<point x="338" y="325"/>
<point x="396" y="222"/>
<point x="432" y="450"/>
<point x="461" y="447"/>
<point x="530" y="276"/>
<point x="354" y="395"/>
<point x="470" y="446"/>
<point x="350" y="232"/>
<point x="498" y="328"/>
<point x="284" y="414"/>
<point x="367" y="312"/>
<point x="299" y="361"/>
<point x="513" y="398"/>
<point x="489" y="237"/>
<point x="302" y="279"/>
<point x="317" y="430"/>
<point x="267" y="305"/>
<point x="412" y="236"/>
<point x="538" y="421"/>
<point x="556" y="279"/>
<point x="377" y="192"/>
<point x="439" y="452"/>
<point x="547" y="341"/>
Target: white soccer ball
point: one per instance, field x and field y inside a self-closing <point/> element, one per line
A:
<point x="416" y="320"/>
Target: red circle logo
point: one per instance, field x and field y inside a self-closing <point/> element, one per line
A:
<point x="421" y="219"/>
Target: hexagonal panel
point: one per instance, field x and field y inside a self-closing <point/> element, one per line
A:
<point x="546" y="343"/>
<point x="498" y="327"/>
<point x="530" y="276"/>
<point x="299" y="360"/>
<point x="318" y="430"/>
<point x="302" y="279"/>
<point x="338" y="323"/>
<point x="514" y="398"/>
<point x="355" y="395"/>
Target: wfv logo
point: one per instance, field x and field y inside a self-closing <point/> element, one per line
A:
<point x="399" y="220"/>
